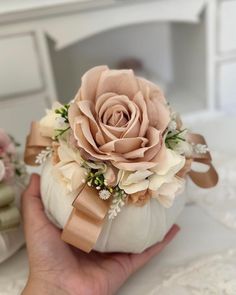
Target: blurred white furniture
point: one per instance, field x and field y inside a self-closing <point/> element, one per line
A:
<point x="26" y="79"/>
<point x="203" y="61"/>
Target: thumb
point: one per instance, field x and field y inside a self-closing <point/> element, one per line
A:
<point x="32" y="207"/>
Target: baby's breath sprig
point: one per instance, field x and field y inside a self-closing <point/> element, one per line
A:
<point x="63" y="112"/>
<point x="42" y="157"/>
<point x="118" y="202"/>
<point x="200" y="148"/>
<point x="95" y="178"/>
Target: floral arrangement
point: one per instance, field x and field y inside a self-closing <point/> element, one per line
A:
<point x="120" y="137"/>
<point x="12" y="172"/>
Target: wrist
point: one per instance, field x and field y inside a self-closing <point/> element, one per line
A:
<point x="39" y="287"/>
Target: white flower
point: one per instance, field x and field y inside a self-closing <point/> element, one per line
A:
<point x="166" y="169"/>
<point x="167" y="192"/>
<point x="184" y="148"/>
<point x="69" y="169"/>
<point x="200" y="148"/>
<point x="104" y="194"/>
<point x="52" y="121"/>
<point x="2" y="170"/>
<point x="132" y="182"/>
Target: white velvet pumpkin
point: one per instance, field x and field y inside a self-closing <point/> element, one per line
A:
<point x="133" y="230"/>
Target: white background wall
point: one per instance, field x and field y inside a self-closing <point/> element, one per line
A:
<point x="149" y="42"/>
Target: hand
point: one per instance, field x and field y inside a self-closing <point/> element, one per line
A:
<point x="57" y="268"/>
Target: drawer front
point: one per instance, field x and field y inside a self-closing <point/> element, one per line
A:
<point x="227" y="87"/>
<point x="227" y="25"/>
<point x="17" y="114"/>
<point x="19" y="65"/>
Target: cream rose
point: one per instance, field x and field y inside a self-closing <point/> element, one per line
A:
<point x="118" y="117"/>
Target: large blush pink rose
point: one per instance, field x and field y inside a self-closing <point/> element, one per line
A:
<point x="119" y="117"/>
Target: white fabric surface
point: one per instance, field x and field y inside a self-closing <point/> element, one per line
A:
<point x="200" y="236"/>
<point x="133" y="230"/>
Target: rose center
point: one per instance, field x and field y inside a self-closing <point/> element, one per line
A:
<point x="116" y="116"/>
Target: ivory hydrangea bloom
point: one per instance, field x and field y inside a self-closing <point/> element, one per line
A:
<point x="164" y="171"/>
<point x="160" y="179"/>
<point x="132" y="182"/>
<point x="168" y="191"/>
<point x="69" y="169"/>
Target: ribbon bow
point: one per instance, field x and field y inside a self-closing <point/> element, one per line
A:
<point x="88" y="215"/>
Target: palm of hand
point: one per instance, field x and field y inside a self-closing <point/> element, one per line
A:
<point x="66" y="269"/>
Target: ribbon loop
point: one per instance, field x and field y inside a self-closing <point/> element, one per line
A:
<point x="202" y="179"/>
<point x="35" y="143"/>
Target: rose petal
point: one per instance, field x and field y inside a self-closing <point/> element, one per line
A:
<point x="85" y="139"/>
<point x="86" y="108"/>
<point x="123" y="145"/>
<point x="132" y="166"/>
<point x="89" y="83"/>
<point x="73" y="112"/>
<point x="148" y="88"/>
<point x="122" y="82"/>
<point x="139" y="100"/>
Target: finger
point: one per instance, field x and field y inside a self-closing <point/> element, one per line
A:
<point x="32" y="207"/>
<point x="138" y="260"/>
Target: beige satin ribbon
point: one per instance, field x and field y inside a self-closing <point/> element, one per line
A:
<point x="86" y="219"/>
<point x="35" y="143"/>
<point x="88" y="215"/>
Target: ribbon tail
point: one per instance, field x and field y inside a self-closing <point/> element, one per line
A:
<point x="86" y="220"/>
<point x="202" y="179"/>
<point x="205" y="179"/>
<point x="80" y="231"/>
